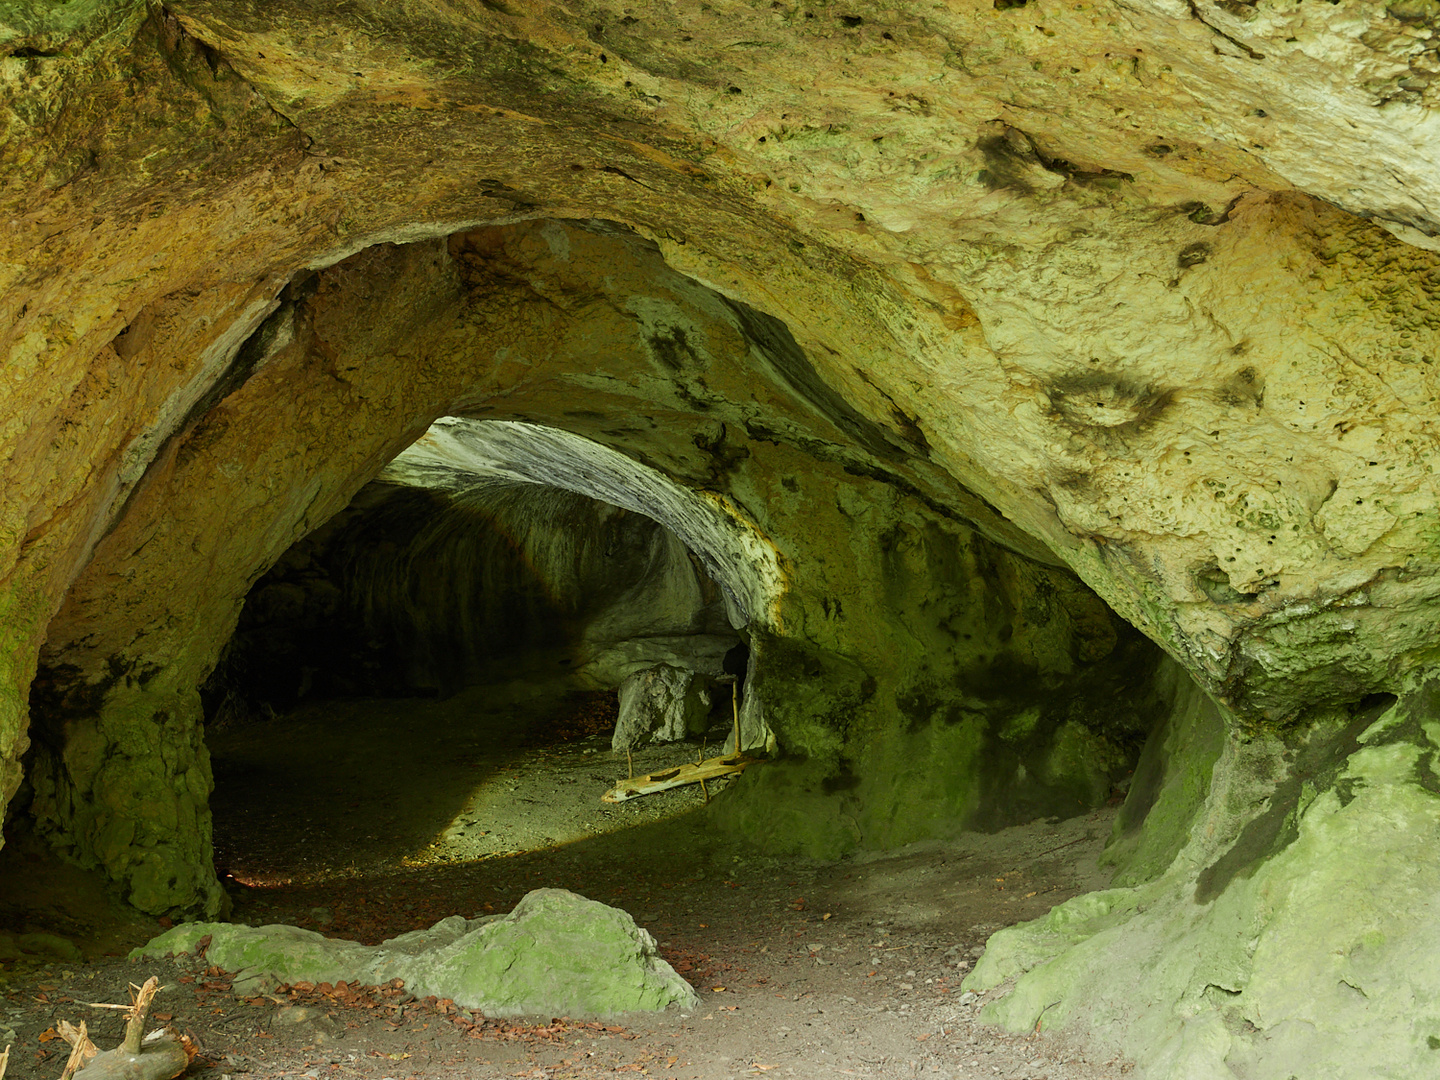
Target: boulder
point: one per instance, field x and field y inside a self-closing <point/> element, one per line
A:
<point x="556" y="954"/>
<point x="661" y="704"/>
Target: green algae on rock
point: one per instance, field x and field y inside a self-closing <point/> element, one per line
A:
<point x="556" y="954"/>
<point x="1309" y="946"/>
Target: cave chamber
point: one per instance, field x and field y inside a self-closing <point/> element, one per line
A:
<point x="1043" y="393"/>
<point x="651" y="483"/>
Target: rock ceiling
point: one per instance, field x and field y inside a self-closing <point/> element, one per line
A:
<point x="1121" y="269"/>
<point x="1145" y="288"/>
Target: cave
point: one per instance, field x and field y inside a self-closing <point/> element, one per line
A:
<point x="1001" y="435"/>
<point x="550" y="585"/>
<point x="476" y="599"/>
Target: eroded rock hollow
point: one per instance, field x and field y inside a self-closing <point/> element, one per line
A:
<point x="1036" y="395"/>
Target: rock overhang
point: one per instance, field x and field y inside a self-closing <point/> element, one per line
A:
<point x="1119" y="283"/>
<point x="456" y="453"/>
<point x="990" y="191"/>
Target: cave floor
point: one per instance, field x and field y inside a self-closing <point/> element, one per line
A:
<point x="804" y="969"/>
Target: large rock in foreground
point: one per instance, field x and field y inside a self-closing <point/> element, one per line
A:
<point x="1299" y="939"/>
<point x="556" y="954"/>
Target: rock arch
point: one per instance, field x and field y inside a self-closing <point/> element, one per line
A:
<point x="1144" y="288"/>
<point x="580" y="325"/>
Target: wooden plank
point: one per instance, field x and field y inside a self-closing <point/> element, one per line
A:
<point x="709" y="769"/>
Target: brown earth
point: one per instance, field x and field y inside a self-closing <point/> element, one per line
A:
<point x="391" y="820"/>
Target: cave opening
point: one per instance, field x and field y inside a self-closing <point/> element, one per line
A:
<point x="424" y="699"/>
<point x="389" y="682"/>
<point x="458" y="664"/>
<point x="912" y="665"/>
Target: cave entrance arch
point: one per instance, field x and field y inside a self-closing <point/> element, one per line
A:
<point x="909" y="664"/>
<point x="520" y="575"/>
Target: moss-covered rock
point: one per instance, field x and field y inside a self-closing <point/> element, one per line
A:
<point x="126" y="790"/>
<point x="556" y="954"/>
<point x="1170" y="782"/>
<point x="1292" y="934"/>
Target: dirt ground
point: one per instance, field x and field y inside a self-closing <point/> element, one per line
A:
<point x="367" y="819"/>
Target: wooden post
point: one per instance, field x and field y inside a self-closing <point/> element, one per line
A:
<point x="735" y="708"/>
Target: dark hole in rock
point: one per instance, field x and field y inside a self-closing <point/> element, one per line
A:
<point x="440" y="664"/>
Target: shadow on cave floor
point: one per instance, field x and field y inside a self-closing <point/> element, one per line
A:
<point x="360" y="819"/>
<point x="344" y="788"/>
<point x="814" y="971"/>
<point x="406" y="812"/>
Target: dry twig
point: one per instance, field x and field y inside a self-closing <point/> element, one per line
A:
<point x="81" y="1048"/>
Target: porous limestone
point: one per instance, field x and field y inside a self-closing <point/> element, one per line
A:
<point x="556" y="954"/>
<point x="919" y="297"/>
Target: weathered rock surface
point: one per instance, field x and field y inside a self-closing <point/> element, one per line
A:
<point x="661" y="704"/>
<point x="928" y="301"/>
<point x="556" y="954"/>
<point x="1297" y="940"/>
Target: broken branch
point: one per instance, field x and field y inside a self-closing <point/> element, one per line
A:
<point x="81" y="1048"/>
<point x="160" y="1055"/>
<point x="634" y="787"/>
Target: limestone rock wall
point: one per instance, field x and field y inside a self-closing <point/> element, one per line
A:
<point x="1291" y="932"/>
<point x="1142" y="287"/>
<point x="996" y="691"/>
